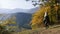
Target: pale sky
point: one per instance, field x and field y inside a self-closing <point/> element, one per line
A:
<point x="11" y="4"/>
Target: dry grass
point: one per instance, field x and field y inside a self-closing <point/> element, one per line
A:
<point x="51" y="30"/>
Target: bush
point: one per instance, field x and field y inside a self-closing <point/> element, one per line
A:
<point x="53" y="10"/>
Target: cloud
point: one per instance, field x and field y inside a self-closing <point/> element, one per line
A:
<point x="11" y="4"/>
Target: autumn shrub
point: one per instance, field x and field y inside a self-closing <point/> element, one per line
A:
<point x="53" y="10"/>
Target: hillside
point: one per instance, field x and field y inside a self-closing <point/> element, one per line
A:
<point x="52" y="30"/>
<point x="23" y="20"/>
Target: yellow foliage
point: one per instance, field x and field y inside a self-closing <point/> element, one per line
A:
<point x="38" y="16"/>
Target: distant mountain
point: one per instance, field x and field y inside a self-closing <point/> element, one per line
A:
<point x="16" y="10"/>
<point x="23" y="16"/>
<point x="33" y="10"/>
<point x="23" y="20"/>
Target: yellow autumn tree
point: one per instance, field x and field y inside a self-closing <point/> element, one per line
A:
<point x="52" y="7"/>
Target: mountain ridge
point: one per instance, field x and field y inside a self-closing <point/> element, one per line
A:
<point x="16" y="10"/>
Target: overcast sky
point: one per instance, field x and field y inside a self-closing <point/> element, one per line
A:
<point x="11" y="4"/>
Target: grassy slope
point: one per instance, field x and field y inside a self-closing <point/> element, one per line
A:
<point x="51" y="30"/>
